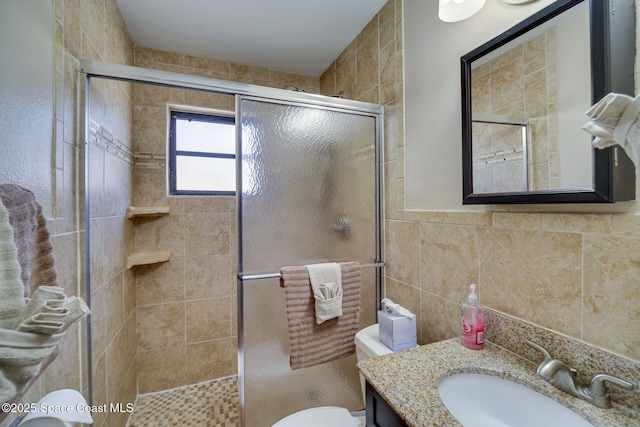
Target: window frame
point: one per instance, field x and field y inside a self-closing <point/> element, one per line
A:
<point x="209" y="117"/>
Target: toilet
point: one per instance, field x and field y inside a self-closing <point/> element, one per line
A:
<point x="367" y="345"/>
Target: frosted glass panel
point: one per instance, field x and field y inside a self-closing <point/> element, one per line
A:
<point x="308" y="196"/>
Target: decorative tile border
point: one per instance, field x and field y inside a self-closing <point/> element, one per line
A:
<point x="103" y="139"/>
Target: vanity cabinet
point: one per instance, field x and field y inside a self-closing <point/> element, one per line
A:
<point x="378" y="411"/>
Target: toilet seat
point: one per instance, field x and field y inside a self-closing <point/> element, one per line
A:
<point x="323" y="416"/>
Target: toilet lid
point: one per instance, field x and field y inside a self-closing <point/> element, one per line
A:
<point x="324" y="416"/>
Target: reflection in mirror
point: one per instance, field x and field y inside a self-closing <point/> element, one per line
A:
<point x="536" y="90"/>
<point x="524" y="98"/>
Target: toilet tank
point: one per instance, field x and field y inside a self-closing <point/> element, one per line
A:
<point x="368" y="343"/>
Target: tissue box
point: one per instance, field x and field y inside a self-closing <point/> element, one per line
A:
<point x="397" y="332"/>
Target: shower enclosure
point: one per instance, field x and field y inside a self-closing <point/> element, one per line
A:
<point x="308" y="191"/>
<point x="309" y="181"/>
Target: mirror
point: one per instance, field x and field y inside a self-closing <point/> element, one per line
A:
<point x="524" y="98"/>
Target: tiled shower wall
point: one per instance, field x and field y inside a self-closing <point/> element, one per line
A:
<point x="186" y="316"/>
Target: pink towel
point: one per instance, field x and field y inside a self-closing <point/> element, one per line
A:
<point x="35" y="252"/>
<point x="312" y="344"/>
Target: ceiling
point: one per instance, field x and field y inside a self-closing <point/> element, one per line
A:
<point x="297" y="36"/>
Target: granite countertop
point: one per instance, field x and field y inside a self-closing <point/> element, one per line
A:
<point x="408" y="381"/>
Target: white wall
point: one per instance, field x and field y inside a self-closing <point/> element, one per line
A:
<point x="26" y="101"/>
<point x="433" y="137"/>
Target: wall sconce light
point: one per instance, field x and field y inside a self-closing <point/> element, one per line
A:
<point x="457" y="10"/>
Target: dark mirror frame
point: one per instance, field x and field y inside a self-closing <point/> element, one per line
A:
<point x="612" y="70"/>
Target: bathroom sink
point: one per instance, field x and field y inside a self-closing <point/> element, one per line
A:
<point x="479" y="400"/>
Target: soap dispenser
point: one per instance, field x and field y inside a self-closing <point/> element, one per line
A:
<point x="472" y="322"/>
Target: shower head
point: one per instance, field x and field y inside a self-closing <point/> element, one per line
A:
<point x="293" y="88"/>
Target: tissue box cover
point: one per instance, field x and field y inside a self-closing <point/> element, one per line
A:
<point x="397" y="332"/>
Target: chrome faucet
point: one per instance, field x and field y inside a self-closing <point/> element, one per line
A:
<point x="560" y="375"/>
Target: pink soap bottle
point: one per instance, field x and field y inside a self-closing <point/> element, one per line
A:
<point x="472" y="322"/>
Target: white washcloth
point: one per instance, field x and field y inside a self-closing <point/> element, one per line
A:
<point x="326" y="282"/>
<point x="11" y="287"/>
<point x="51" y="312"/>
<point x="615" y="119"/>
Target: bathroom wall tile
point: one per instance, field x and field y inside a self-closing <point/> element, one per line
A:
<point x="65" y="250"/>
<point x="206" y="234"/>
<point x="346" y="77"/>
<point x="221" y="67"/>
<point x="507" y="84"/>
<point x="367" y="32"/>
<point x="160" y="283"/>
<point x="513" y="55"/>
<point x="114" y="236"/>
<point x="195" y="98"/>
<point x="540" y="179"/>
<point x="367" y="64"/>
<point x="328" y="80"/>
<point x="346" y="54"/>
<point x="150" y="129"/>
<point x="535" y="89"/>
<point x="440" y="319"/>
<point x="161" y="369"/>
<point x="96" y="181"/>
<point x="473" y="218"/>
<point x="387" y="74"/>
<point x="159" y="97"/>
<point x="160" y="56"/>
<point x="611" y="289"/>
<point x="115" y="304"/>
<point x="443" y="217"/>
<point x="403" y="251"/>
<point x="239" y="71"/>
<point x="117" y="185"/>
<point x="92" y="14"/>
<point x="151" y="190"/>
<point x="481" y="94"/>
<point x="129" y="292"/>
<point x="98" y="323"/>
<point x="577" y="223"/>
<point x="160" y="326"/>
<point x="210" y="204"/>
<point x="372" y="95"/>
<point x="391" y="132"/>
<point x="532" y="221"/>
<point x="625" y="224"/>
<point x="208" y="276"/>
<point x="210" y="359"/>
<point x="208" y="319"/>
<point x="387" y="26"/>
<point x="72" y="29"/>
<point x="539" y="134"/>
<point x="535" y="51"/>
<point x="119" y="357"/>
<point x="533" y="275"/>
<point x="161" y="233"/>
<point x="449" y="261"/>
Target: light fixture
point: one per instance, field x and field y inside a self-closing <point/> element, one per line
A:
<point x="457" y="10"/>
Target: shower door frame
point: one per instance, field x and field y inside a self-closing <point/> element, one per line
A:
<point x="372" y="110"/>
<point x="89" y="69"/>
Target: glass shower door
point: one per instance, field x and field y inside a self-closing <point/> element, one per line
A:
<point x="308" y="183"/>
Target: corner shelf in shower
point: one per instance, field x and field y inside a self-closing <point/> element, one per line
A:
<point x="145" y="258"/>
<point x="138" y="212"/>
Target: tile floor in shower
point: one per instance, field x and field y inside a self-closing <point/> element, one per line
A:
<point x="208" y="404"/>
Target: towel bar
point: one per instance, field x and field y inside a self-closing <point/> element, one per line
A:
<point x="278" y="275"/>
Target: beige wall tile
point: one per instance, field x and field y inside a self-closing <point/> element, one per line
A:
<point x="440" y="319"/>
<point x="163" y="233"/>
<point x="532" y="221"/>
<point x="367" y="65"/>
<point x="611" y="288"/>
<point x="577" y="223"/>
<point x="160" y="326"/>
<point x="449" y="261"/>
<point x="162" y="369"/>
<point x="208" y="277"/>
<point x="507" y="84"/>
<point x="210" y="359"/>
<point x="160" y="283"/>
<point x="206" y="234"/>
<point x="403" y="251"/>
<point x="208" y="319"/>
<point x="533" y="275"/>
<point x="160" y="56"/>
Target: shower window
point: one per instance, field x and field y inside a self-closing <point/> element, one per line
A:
<point x="201" y="154"/>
